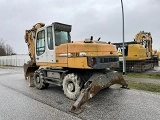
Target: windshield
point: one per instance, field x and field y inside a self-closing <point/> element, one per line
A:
<point x="61" y="37"/>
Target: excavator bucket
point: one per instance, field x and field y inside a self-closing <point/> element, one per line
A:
<point x="97" y="82"/>
<point x="29" y="69"/>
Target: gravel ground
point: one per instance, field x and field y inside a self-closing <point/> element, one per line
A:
<point x="113" y="103"/>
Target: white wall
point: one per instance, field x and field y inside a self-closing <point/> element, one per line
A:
<point x="14" y="60"/>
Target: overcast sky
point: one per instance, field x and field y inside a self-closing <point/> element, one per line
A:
<point x="99" y="18"/>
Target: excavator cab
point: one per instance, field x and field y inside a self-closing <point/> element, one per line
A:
<point x="47" y="38"/>
<point x="41" y="41"/>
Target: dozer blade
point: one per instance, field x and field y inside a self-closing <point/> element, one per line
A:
<point x="97" y="82"/>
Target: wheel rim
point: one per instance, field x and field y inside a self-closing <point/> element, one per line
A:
<point x="71" y="87"/>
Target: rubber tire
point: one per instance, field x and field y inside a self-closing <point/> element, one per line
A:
<point x="76" y="80"/>
<point x="41" y="84"/>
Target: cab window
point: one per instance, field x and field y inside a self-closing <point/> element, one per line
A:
<point x="61" y="37"/>
<point x="50" y="38"/>
<point x="40" y="43"/>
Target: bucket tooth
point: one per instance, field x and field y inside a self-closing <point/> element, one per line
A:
<point x="84" y="96"/>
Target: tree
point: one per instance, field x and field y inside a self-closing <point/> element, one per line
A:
<point x="2" y="48"/>
<point x="5" y="49"/>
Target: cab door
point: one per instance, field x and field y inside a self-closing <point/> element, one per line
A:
<point x="45" y="46"/>
<point x="40" y="46"/>
<point x="50" y="48"/>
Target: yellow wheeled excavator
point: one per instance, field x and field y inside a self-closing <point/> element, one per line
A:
<point x="138" y="53"/>
<point x="82" y="68"/>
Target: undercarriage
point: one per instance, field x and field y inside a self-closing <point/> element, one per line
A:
<point x="137" y="66"/>
<point x="77" y="84"/>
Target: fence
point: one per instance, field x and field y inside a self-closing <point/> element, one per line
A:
<point x="13" y="60"/>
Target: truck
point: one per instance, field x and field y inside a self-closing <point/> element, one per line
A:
<point x="82" y="67"/>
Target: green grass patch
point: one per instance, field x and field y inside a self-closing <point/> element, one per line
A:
<point x="143" y="75"/>
<point x="144" y="86"/>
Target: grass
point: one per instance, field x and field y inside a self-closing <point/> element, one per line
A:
<point x="144" y="86"/>
<point x="143" y="75"/>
